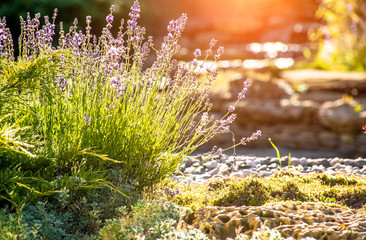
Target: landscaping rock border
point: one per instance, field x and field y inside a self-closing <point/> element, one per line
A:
<point x="304" y="109"/>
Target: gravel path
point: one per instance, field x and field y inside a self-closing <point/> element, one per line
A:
<point x="295" y="220"/>
<point x="201" y="169"/>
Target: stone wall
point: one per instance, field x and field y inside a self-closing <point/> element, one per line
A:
<point x="304" y="109"/>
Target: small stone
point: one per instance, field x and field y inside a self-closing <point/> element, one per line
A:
<point x="211" y="164"/>
<point x="236" y="174"/>
<point x="230" y="162"/>
<point x="303" y="161"/>
<point x="335" y="161"/>
<point x="193" y="170"/>
<point x="223" y="172"/>
<point x="261" y="168"/>
<point x="330" y="172"/>
<point x="294" y="161"/>
<point x="257" y="161"/>
<point x="317" y="169"/>
<point x="195" y="164"/>
<point x="213" y="172"/>
<point x="240" y="162"/>
<point x="247" y="172"/>
<point x="178" y="178"/>
<point x="264" y="173"/>
<point x="273" y="165"/>
<point x="250" y="163"/>
<point x="202" y="177"/>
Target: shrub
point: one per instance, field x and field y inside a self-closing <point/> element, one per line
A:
<point x="87" y="125"/>
<point x="150" y="219"/>
<point x="340" y="42"/>
<point x="93" y="98"/>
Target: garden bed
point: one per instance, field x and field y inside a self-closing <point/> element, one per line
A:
<point x="319" y="205"/>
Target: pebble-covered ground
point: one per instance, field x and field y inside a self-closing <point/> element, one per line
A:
<point x="201" y="169"/>
<point x="295" y="220"/>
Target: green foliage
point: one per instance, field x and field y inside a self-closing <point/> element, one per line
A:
<point x="284" y="186"/>
<point x="290" y="191"/>
<point x="18" y="80"/>
<point x="337" y="180"/>
<point x="10" y="229"/>
<point x="50" y="223"/>
<point x="249" y="192"/>
<point x="341" y="42"/>
<point x="85" y="128"/>
<point x="151" y="219"/>
<point x="279" y="155"/>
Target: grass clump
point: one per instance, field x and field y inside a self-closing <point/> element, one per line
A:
<point x="338" y="179"/>
<point x="247" y="192"/>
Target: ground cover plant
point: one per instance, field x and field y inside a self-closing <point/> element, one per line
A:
<point x="87" y="127"/>
<point x="343" y="190"/>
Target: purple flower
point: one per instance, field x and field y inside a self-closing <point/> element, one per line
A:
<point x="120" y="90"/>
<point x="171" y="192"/>
<point x="220" y="51"/>
<point x="254" y="136"/>
<point x="231" y="118"/>
<point x="88" y="120"/>
<point x="247" y="84"/>
<point x="219" y="152"/>
<point x="224" y="125"/>
<point x="114" y="81"/>
<point x="135" y="11"/>
<point x="231" y="108"/>
<point x="197" y="53"/>
<point x="213" y="43"/>
<point x="110" y="18"/>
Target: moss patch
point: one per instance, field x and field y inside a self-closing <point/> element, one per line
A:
<point x="348" y="191"/>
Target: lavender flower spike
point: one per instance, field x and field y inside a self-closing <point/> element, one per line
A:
<point x="231" y="109"/>
<point x="197" y="53"/>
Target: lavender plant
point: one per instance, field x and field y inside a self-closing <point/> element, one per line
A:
<point x="94" y="98"/>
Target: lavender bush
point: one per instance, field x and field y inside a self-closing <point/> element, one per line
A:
<point x="93" y="103"/>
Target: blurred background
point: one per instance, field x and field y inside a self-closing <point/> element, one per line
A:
<point x="305" y="58"/>
<point x="233" y="22"/>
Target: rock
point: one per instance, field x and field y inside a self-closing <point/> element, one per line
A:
<point x="304" y="161"/>
<point x="328" y="139"/>
<point x="211" y="164"/>
<point x="340" y="116"/>
<point x="320" y="162"/>
<point x="299" y="220"/>
<point x="317" y="80"/>
<point x="214" y="172"/>
<point x="264" y="173"/>
<point x="193" y="170"/>
<point x="202" y="177"/>
<point x="320" y="96"/>
<point x="261" y="111"/>
<point x="317" y="169"/>
<point x="335" y="161"/>
<point x="261" y="89"/>
<point x="236" y="174"/>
